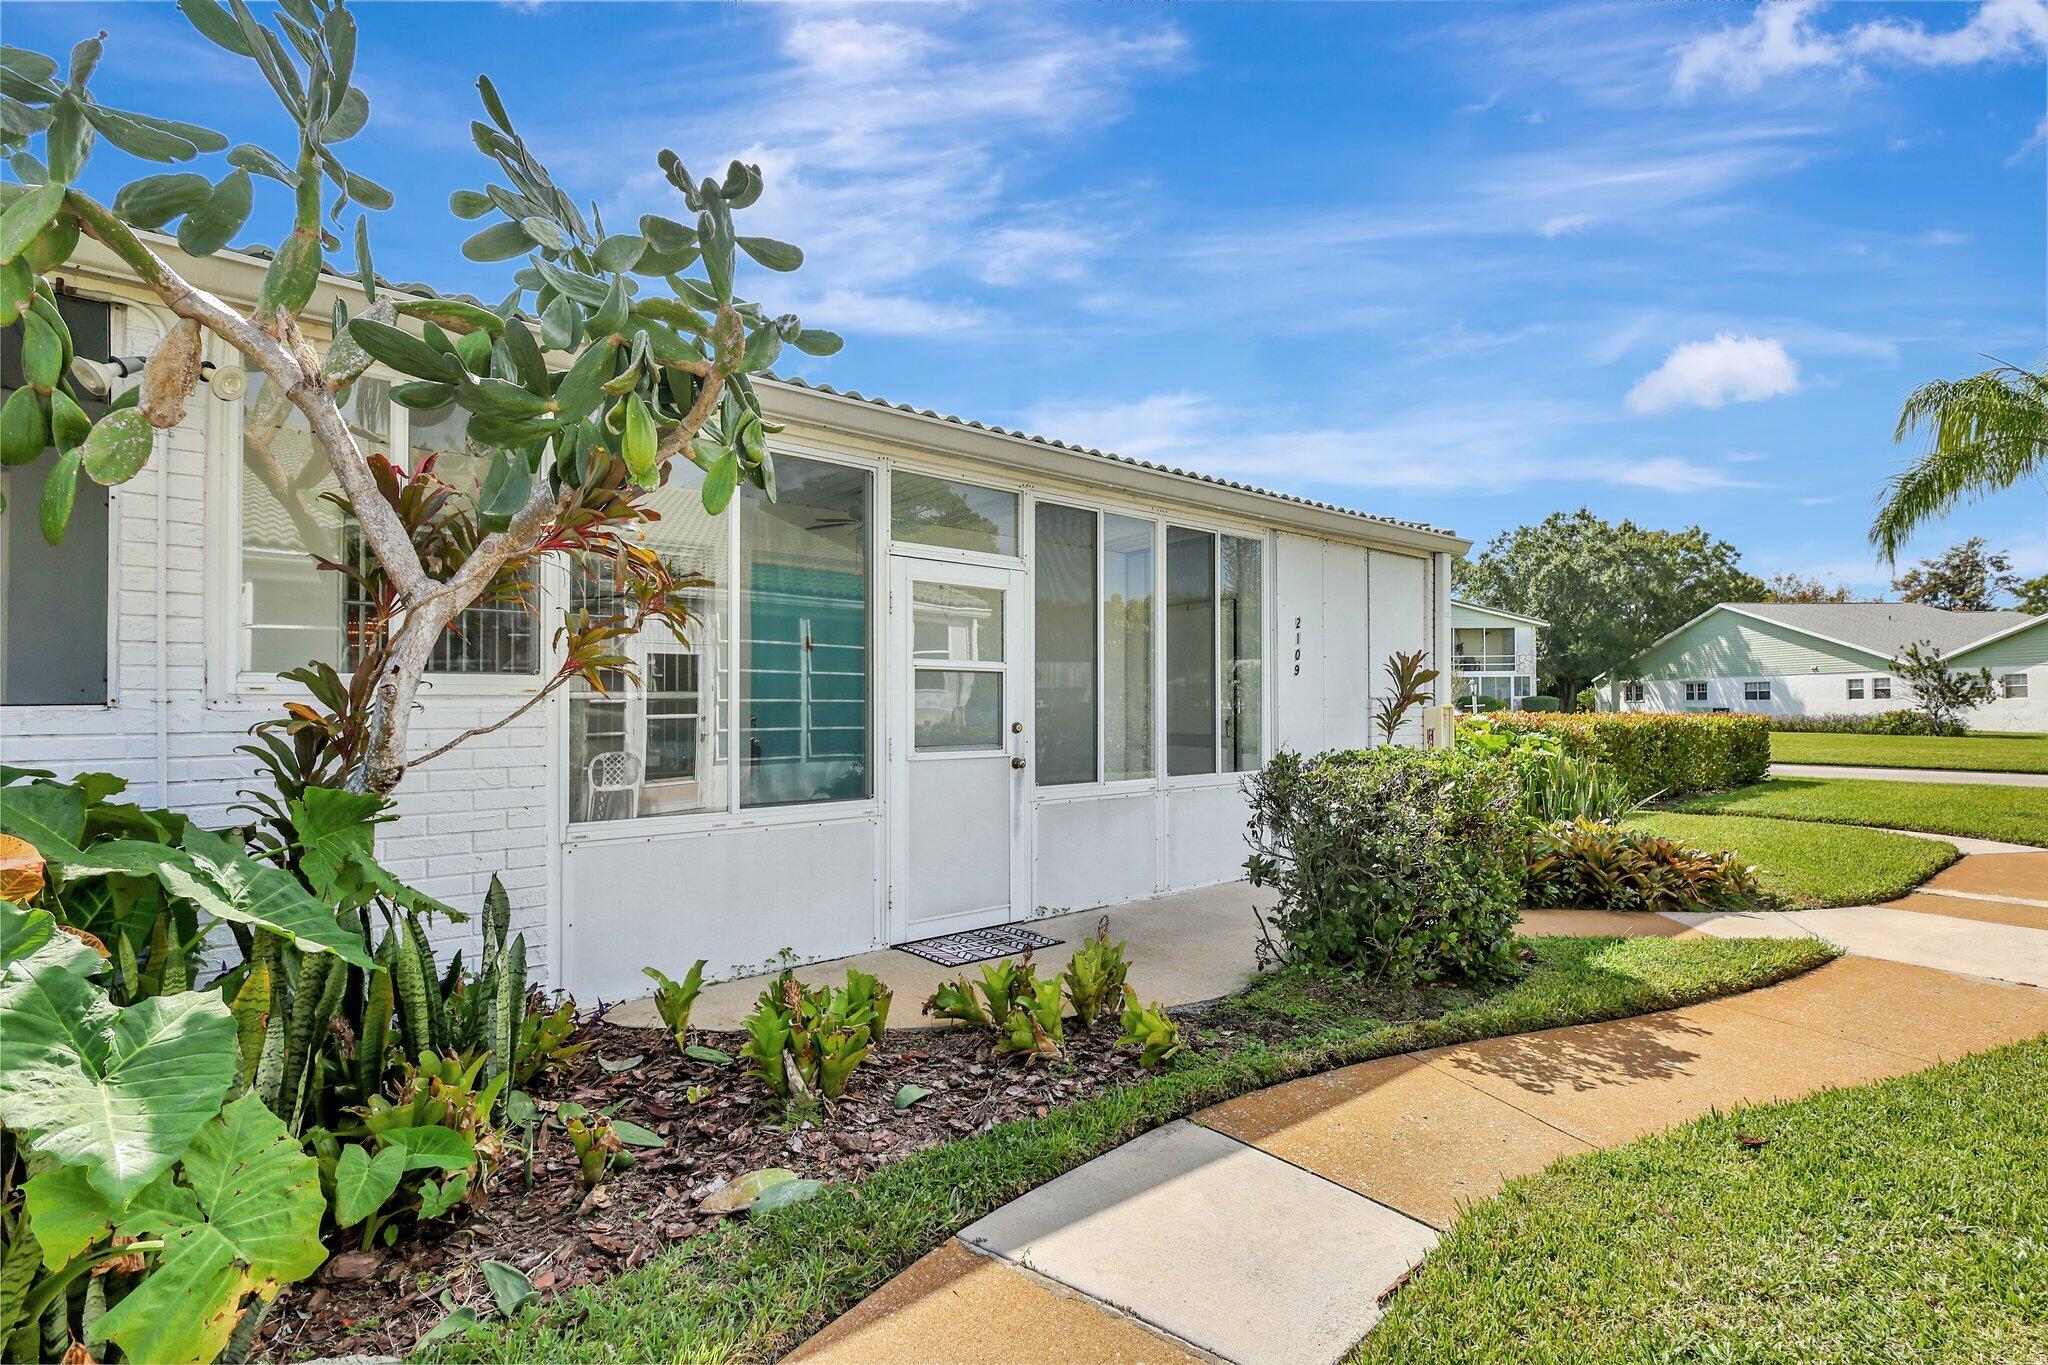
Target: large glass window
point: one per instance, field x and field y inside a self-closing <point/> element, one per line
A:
<point x="960" y="516"/>
<point x="292" y="608"/>
<point x="53" y="598"/>
<point x="1240" y="599"/>
<point x="1190" y="652"/>
<point x="803" y="593"/>
<point x="296" y="612"/>
<point x="1064" y="622"/>
<point x="1129" y="590"/>
<point x="658" y="745"/>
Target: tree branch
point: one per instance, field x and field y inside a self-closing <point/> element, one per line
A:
<point x="381" y="526"/>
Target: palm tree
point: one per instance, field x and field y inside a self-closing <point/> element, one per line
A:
<point x="1985" y="434"/>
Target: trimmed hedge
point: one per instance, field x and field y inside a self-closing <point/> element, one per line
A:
<point x="1895" y="722"/>
<point x="1658" y="753"/>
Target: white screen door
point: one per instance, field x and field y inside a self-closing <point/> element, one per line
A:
<point x="958" y="746"/>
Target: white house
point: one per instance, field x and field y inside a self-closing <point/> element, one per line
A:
<point x="1493" y="654"/>
<point x="1835" y="658"/>
<point x="952" y="674"/>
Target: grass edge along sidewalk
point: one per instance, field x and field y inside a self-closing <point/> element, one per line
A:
<point x="1901" y="1220"/>
<point x="2016" y="815"/>
<point x="1809" y="862"/>
<point x="1982" y="753"/>
<point x="750" y="1290"/>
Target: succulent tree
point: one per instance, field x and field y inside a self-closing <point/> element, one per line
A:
<point x="613" y="355"/>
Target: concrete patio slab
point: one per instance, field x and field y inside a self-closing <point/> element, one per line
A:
<point x="956" y="1305"/>
<point x="1607" y="1083"/>
<point x="1218" y="1243"/>
<point x="1909" y="774"/>
<point x="2001" y="952"/>
<point x="1933" y="1016"/>
<point x="1599" y="924"/>
<point x="1986" y="909"/>
<point x="2024" y="875"/>
<point x="1192" y="945"/>
<point x="1400" y="1131"/>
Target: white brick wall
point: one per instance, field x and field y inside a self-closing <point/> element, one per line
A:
<point x="480" y="809"/>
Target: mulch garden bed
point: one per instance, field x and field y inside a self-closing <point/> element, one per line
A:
<point x="563" y="1235"/>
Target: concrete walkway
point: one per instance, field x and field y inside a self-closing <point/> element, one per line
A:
<point x="1908" y="774"/>
<point x="1192" y="945"/>
<point x="1271" y="1228"/>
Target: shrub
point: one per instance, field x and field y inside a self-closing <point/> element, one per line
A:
<point x="1596" y="866"/>
<point x="1539" y="702"/>
<point x="1587" y="700"/>
<point x="1402" y="864"/>
<point x="1660" y="753"/>
<point x="1553" y="783"/>
<point x="1904" y="721"/>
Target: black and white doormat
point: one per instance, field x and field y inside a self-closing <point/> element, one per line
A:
<point x="977" y="945"/>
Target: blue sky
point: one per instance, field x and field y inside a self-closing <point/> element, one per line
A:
<point x="1466" y="263"/>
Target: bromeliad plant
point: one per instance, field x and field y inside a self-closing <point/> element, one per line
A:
<point x="1095" y="976"/>
<point x="674" y="1000"/>
<point x="1588" y="865"/>
<point x="655" y="350"/>
<point x="1151" y="1030"/>
<point x="802" y="1043"/>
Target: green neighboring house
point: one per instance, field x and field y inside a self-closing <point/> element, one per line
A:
<point x="1835" y="658"/>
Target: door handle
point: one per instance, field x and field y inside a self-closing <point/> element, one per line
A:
<point x="1017" y="763"/>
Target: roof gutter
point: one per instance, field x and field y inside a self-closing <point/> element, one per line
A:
<point x="1021" y="455"/>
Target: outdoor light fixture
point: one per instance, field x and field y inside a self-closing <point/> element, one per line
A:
<point x="96" y="378"/>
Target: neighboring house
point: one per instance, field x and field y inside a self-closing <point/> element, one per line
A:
<point x="1836" y="658"/>
<point x="950" y="675"/>
<point x="1493" y="654"/>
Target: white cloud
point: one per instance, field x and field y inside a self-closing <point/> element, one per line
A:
<point x="889" y="142"/>
<point x="1025" y="253"/>
<point x="1507" y="447"/>
<point x="1783" y="39"/>
<point x="1707" y="374"/>
<point x="1564" y="223"/>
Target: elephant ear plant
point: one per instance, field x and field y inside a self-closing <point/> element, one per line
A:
<point x="164" y="1207"/>
<point x="653" y="350"/>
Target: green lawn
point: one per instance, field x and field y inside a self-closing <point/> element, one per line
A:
<point x="1981" y="810"/>
<point x="1903" y="1221"/>
<point x="751" y="1290"/>
<point x="1976" y="753"/>
<point x="1812" y="864"/>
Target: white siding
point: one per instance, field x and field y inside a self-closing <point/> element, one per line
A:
<point x="481" y="809"/>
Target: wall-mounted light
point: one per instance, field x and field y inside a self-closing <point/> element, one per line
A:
<point x="96" y="378"/>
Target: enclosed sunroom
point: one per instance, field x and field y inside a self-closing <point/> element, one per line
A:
<point x="950" y="676"/>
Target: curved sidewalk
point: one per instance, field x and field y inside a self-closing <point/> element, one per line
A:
<point x="1909" y="774"/>
<point x="1272" y="1227"/>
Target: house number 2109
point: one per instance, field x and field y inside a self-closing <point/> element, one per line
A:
<point x="1297" y="646"/>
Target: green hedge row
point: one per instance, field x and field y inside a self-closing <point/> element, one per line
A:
<point x="1660" y="753"/>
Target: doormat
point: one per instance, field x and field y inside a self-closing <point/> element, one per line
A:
<point x="977" y="945"/>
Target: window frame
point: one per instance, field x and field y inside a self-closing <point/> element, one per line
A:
<point x="119" y="307"/>
<point x="2013" y="686"/>
<point x="735" y="815"/>
<point x="1633" y="690"/>
<point x="224" y="451"/>
<point x="1158" y="516"/>
<point x="1856" y="689"/>
<point x="1756" y="689"/>
<point x="1688" y="696"/>
<point x="1881" y="688"/>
